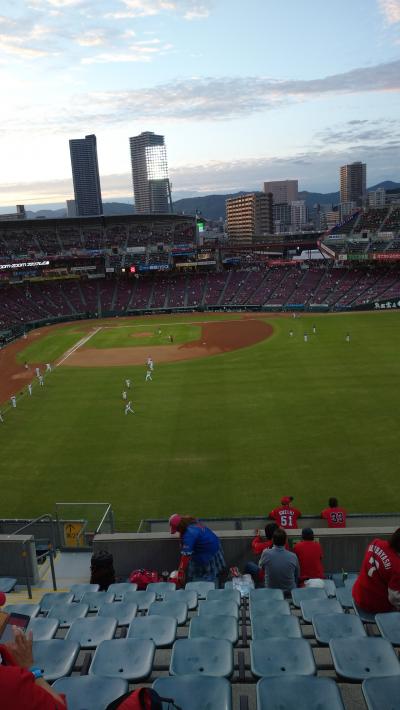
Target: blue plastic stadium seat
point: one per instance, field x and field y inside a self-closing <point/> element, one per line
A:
<point x="281" y="657"/>
<point x="214" y="627"/>
<point x="389" y="626"/>
<point x="129" y="658"/>
<point x="202" y="656"/>
<point x="51" y="598"/>
<point x="160" y="629"/>
<point x="382" y="693"/>
<point x="7" y="584"/>
<point x="266" y="594"/>
<point x="56" y="658"/>
<point x="232" y="595"/>
<point x="309" y="607"/>
<point x="120" y="588"/>
<point x="305" y="593"/>
<point x="67" y="613"/>
<point x="265" y="627"/>
<point x="182" y="595"/>
<point x="360" y="658"/>
<point x="196" y="692"/>
<point x="330" y="587"/>
<point x="142" y="598"/>
<point x="31" y="610"/>
<point x="97" y="599"/>
<point x="267" y="608"/>
<point x="344" y="596"/>
<point x="123" y="612"/>
<point x="89" y="692"/>
<point x="90" y="632"/>
<point x="160" y="587"/>
<point x="219" y="608"/>
<point x="337" y="626"/>
<point x="366" y="616"/>
<point x="298" y="693"/>
<point x="79" y="590"/>
<point x="43" y="629"/>
<point x="177" y="610"/>
<point x="349" y="582"/>
<point x="202" y="588"/>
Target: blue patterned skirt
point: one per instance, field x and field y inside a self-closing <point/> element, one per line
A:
<point x="206" y="571"/>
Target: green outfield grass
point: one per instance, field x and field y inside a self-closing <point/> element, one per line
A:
<point x="51" y="346"/>
<point x="229" y="434"/>
<point x="128" y="336"/>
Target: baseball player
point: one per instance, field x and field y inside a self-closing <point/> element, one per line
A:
<point x="30" y="389"/>
<point x="285" y="515"/>
<point x="13" y="400"/>
<point x="48" y="367"/>
<point x="26" y="366"/>
<point x="128" y="384"/>
<point x="37" y="370"/>
<point x="124" y="395"/>
<point x="128" y="408"/>
<point x="306" y="337"/>
<point x="151" y="365"/>
<point x="1" y="418"/>
<point x="41" y="380"/>
<point x="314" y="329"/>
<point x="148" y="375"/>
<point x="347" y="337"/>
<point x="291" y="333"/>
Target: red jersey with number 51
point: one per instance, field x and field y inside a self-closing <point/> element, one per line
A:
<point x="335" y="517"/>
<point x="285" y="516"/>
<point x="380" y="571"/>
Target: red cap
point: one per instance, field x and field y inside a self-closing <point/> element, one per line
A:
<point x="174" y="521"/>
<point x="286" y="500"/>
<point x="2" y="598"/>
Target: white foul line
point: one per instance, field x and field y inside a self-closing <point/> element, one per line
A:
<point x="77" y="345"/>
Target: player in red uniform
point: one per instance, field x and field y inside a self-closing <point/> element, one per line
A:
<point x="334" y="515"/>
<point x="285" y="516"/>
<point x="377" y="587"/>
<point x="310" y="556"/>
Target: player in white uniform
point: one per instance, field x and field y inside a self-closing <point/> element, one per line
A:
<point x="13" y="400"/>
<point x="291" y="333"/>
<point x="37" y="370"/>
<point x="305" y="337"/>
<point x="314" y="329"/>
<point x="347" y="337"/>
<point x="151" y="365"/>
<point x="30" y="389"/>
<point x="128" y="384"/>
<point x="128" y="408"/>
<point x="41" y="380"/>
<point x="148" y="375"/>
<point x="48" y="367"/>
<point x="1" y="418"/>
<point x="124" y="395"/>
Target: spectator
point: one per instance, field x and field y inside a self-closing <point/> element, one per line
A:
<point x="258" y="545"/>
<point x="310" y="555"/>
<point x="285" y="516"/>
<point x="280" y="566"/>
<point x="377" y="587"/>
<point x="201" y="553"/>
<point x="334" y="515"/>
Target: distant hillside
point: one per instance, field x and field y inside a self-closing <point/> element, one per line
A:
<point x="210" y="206"/>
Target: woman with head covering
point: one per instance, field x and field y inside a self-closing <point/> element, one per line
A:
<point x="201" y="552"/>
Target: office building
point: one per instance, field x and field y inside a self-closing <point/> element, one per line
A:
<point x="85" y="176"/>
<point x="353" y="183"/>
<point x="71" y="208"/>
<point x="282" y="217"/>
<point x="151" y="186"/>
<point x="298" y="215"/>
<point x="249" y="217"/>
<point x="377" y="198"/>
<point x="12" y="216"/>
<point x="283" y="191"/>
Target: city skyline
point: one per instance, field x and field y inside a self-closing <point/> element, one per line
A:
<point x="243" y="94"/>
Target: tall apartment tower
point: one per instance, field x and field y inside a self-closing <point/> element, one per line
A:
<point x="85" y="176"/>
<point x="283" y="191"/>
<point x="249" y="217"/>
<point x="151" y="186"/>
<point x="353" y="183"/>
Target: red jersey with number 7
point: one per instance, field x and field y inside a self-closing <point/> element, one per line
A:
<point x="285" y="516"/>
<point x="380" y="571"/>
<point x="335" y="517"/>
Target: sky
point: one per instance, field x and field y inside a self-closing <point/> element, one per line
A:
<point x="243" y="91"/>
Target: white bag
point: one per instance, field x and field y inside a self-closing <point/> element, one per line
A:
<point x="318" y="583"/>
<point x="244" y="583"/>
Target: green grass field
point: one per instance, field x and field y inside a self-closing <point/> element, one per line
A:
<point x="216" y="436"/>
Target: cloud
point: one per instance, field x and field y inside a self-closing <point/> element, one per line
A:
<point x="381" y="131"/>
<point x="142" y="51"/>
<point x="390" y="10"/>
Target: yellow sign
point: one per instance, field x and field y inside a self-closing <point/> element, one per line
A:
<point x="72" y="534"/>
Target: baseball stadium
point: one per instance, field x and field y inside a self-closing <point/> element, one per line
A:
<point x="147" y="368"/>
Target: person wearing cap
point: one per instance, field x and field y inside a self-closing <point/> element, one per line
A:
<point x="285" y="515"/>
<point x="310" y="554"/>
<point x="377" y="587"/>
<point x="281" y="567"/>
<point x="201" y="553"/>
<point x="334" y="515"/>
<point x="21" y="682"/>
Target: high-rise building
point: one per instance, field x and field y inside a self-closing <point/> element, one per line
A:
<point x="249" y="217"/>
<point x="71" y="208"/>
<point x="85" y="176"/>
<point x="283" y="191"/>
<point x="353" y="183"/>
<point x="298" y="214"/>
<point x="151" y="186"/>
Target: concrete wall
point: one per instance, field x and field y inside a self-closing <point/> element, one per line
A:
<point x="12" y="561"/>
<point x="343" y="549"/>
<point x="307" y="521"/>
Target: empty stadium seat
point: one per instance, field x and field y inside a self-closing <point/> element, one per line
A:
<point x="266" y="594"/>
<point x="265" y="627"/>
<point x="305" y="593"/>
<point x="281" y="657"/>
<point x="160" y="629"/>
<point x="129" y="658"/>
<point x="123" y="612"/>
<point x="382" y="693"/>
<point x="178" y="610"/>
<point x="360" y="658"/>
<point x="120" y="588"/>
<point x="7" y="584"/>
<point x="97" y="599"/>
<point x="67" y="613"/>
<point x="298" y="693"/>
<point x="330" y="587"/>
<point x="203" y="656"/>
<point x="43" y="629"/>
<point x="309" y="607"/>
<point x="183" y="595"/>
<point x="90" y="632"/>
<point x="31" y="610"/>
<point x="142" y="598"/>
<point x="366" y="616"/>
<point x="218" y="608"/>
<point x="224" y="595"/>
<point x="337" y="626"/>
<point x="214" y="627"/>
<point x="389" y="626"/>
<point x="267" y="608"/>
<point x="79" y="590"/>
<point x="90" y="692"/>
<point x="160" y="587"/>
<point x="202" y="588"/>
<point x="344" y="596"/>
<point x="194" y="692"/>
<point x="51" y="598"/>
<point x="56" y="658"/>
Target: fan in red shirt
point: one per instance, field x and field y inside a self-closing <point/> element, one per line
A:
<point x="285" y="516"/>
<point x="377" y="587"/>
<point x="258" y="545"/>
<point x="334" y="515"/>
<point x="310" y="556"/>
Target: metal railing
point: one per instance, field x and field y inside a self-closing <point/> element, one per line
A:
<point x="41" y="518"/>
